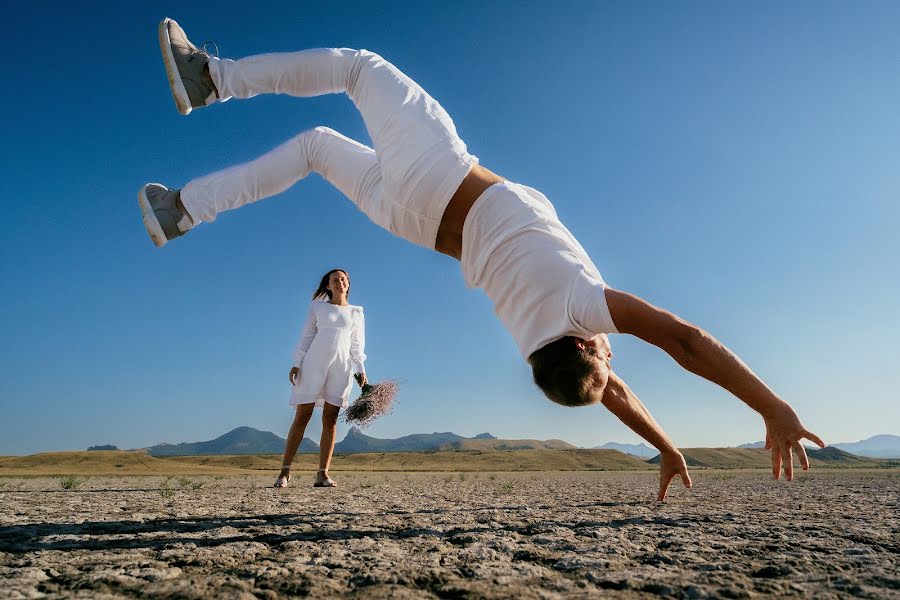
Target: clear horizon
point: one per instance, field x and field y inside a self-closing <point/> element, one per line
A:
<point x="734" y="164"/>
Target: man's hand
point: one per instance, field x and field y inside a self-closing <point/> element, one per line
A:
<point x="294" y="375"/>
<point x="783" y="434"/>
<point x="361" y="380"/>
<point x="671" y="464"/>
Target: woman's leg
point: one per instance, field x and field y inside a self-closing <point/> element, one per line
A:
<point x="326" y="444"/>
<point x="295" y="436"/>
<point x="348" y="165"/>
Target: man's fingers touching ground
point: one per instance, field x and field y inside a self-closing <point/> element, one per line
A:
<point x="664" y="482"/>
<point x="686" y="478"/>
<point x="787" y="459"/>
<point x="776" y="462"/>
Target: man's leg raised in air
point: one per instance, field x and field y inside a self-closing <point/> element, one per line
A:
<point x="423" y="160"/>
<point x="401" y="118"/>
<point x="348" y="165"/>
<point x="702" y="354"/>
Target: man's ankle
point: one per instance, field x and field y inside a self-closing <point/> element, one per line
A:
<point x="208" y="80"/>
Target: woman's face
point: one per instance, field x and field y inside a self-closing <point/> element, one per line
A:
<point x="338" y="284"/>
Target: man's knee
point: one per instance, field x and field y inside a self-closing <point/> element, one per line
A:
<point x="306" y="136"/>
<point x="322" y="129"/>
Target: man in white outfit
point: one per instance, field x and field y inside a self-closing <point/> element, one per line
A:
<point x="420" y="183"/>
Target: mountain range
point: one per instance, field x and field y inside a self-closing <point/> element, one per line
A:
<point x="877" y="446"/>
<point x="243" y="440"/>
<point x="639" y="450"/>
<point x="247" y="440"/>
<point x="356" y="441"/>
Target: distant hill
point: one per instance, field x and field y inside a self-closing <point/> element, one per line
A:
<point x="498" y="444"/>
<point x="639" y="450"/>
<point x="104" y="447"/>
<point x="243" y="440"/>
<point x="247" y="440"/>
<point x="877" y="446"/>
<point x="753" y="445"/>
<point x="356" y="442"/>
<point x="758" y="458"/>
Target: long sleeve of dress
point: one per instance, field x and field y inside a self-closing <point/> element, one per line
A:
<point x="358" y="342"/>
<point x="306" y="336"/>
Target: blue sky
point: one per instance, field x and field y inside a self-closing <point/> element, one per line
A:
<point x="736" y="164"/>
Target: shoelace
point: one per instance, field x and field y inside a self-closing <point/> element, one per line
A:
<point x="214" y="45"/>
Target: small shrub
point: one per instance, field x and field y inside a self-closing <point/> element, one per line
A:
<point x="70" y="482"/>
<point x="184" y="482"/>
<point x="166" y="490"/>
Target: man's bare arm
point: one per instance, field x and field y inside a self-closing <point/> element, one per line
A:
<point x="621" y="401"/>
<point x="702" y="354"/>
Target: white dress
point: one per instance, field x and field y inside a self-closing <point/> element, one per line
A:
<point x="330" y="351"/>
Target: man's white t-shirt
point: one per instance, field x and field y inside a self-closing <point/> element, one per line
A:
<point x="542" y="283"/>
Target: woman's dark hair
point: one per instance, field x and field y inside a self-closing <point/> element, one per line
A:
<point x="565" y="372"/>
<point x="322" y="291"/>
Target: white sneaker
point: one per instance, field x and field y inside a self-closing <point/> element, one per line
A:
<point x="185" y="67"/>
<point x="164" y="216"/>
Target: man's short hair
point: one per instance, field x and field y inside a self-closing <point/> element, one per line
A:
<point x="565" y="372"/>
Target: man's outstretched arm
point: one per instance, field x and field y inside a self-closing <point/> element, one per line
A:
<point x="621" y="401"/>
<point x="702" y="354"/>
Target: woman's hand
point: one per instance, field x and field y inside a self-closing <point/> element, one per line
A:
<point x="361" y="380"/>
<point x="671" y="464"/>
<point x="783" y="434"/>
<point x="294" y="375"/>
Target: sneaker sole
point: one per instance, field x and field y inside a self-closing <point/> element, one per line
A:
<point x="151" y="223"/>
<point x="182" y="102"/>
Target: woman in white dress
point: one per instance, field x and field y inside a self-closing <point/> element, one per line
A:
<point x="329" y="353"/>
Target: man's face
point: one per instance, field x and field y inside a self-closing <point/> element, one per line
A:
<point x="599" y="350"/>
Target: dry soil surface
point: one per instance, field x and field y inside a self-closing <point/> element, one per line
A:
<point x="394" y="535"/>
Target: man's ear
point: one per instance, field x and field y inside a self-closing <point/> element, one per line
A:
<point x="579" y="343"/>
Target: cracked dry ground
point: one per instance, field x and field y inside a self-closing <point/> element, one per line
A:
<point x="425" y="535"/>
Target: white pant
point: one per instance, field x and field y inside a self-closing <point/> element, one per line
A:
<point x="403" y="185"/>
